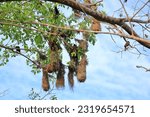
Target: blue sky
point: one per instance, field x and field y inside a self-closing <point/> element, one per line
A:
<point x="109" y="75"/>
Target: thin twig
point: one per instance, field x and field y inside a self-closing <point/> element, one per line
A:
<point x="146" y="69"/>
<point x="127" y="16"/>
<point x="140" y="9"/>
<point x="48" y="93"/>
<point x="3" y="93"/>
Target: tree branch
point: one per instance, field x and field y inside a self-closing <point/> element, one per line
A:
<point x="140" y="9"/>
<point x="12" y="49"/>
<point x="99" y="16"/>
<point x="136" y="20"/>
<point x="146" y="69"/>
<point x="3" y="93"/>
<point x="136" y="38"/>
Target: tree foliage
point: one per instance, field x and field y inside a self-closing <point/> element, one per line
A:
<point x="40" y="31"/>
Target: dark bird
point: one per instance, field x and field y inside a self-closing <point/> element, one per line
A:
<point x="18" y="49"/>
<point x="56" y="11"/>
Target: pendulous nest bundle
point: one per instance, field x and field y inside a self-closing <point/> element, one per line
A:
<point x="81" y="69"/>
<point x="45" y="81"/>
<point x="76" y="67"/>
<point x="55" y="66"/>
<point x="76" y="51"/>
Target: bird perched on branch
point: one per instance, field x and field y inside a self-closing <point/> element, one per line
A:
<point x="17" y="49"/>
<point x="56" y="12"/>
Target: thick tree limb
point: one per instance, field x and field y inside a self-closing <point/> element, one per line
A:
<point x="136" y="20"/>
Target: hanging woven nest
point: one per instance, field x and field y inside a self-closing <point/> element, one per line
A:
<point x="81" y="69"/>
<point x="60" y="82"/>
<point x="70" y="77"/>
<point x="95" y="26"/>
<point x="45" y="81"/>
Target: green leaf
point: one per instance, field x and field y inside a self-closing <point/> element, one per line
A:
<point x="38" y="40"/>
<point x="92" y="39"/>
